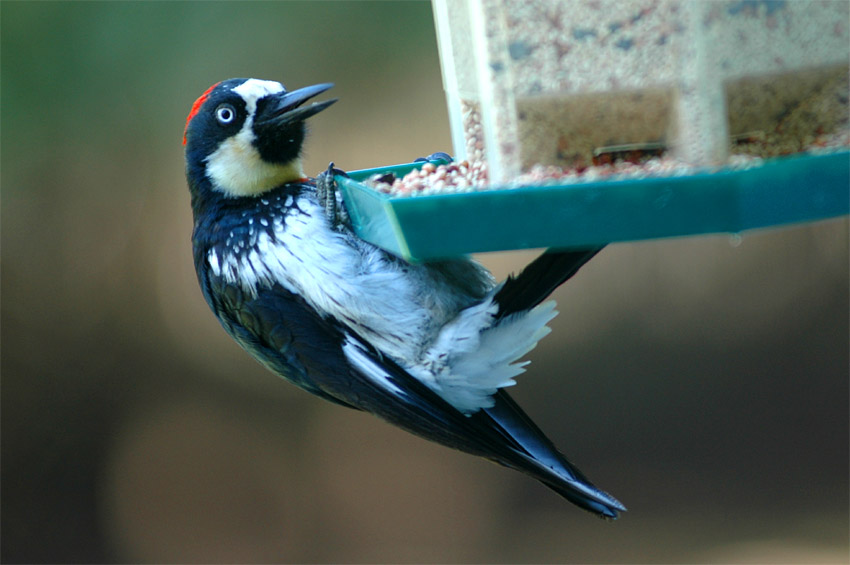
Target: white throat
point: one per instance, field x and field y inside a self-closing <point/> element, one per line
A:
<point x="236" y="168"/>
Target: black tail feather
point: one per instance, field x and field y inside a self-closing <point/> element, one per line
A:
<point x="545" y="462"/>
<point x="518" y="294"/>
<point x="540" y="278"/>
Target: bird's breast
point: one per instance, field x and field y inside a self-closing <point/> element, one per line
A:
<point x="287" y="240"/>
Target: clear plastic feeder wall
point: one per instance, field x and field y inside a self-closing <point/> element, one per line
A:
<point x="565" y="83"/>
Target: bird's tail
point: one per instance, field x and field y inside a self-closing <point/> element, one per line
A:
<point x="537" y="456"/>
<point x="540" y="278"/>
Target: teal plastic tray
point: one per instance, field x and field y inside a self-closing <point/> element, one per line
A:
<point x="781" y="191"/>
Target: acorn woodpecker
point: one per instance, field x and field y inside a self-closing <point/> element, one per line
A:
<point x="427" y="347"/>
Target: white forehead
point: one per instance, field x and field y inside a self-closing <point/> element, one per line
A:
<point x="253" y="89"/>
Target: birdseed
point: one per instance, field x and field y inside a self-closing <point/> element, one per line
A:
<point x="460" y="177"/>
<point x="548" y="82"/>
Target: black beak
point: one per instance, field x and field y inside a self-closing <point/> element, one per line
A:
<point x="283" y="109"/>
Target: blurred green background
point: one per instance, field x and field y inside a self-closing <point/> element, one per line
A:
<point x="703" y="381"/>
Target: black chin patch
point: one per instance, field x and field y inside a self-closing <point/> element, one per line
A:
<point x="276" y="143"/>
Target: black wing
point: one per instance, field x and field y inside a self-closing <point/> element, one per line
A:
<point x="291" y="339"/>
<point x="503" y="433"/>
<point x="540" y="278"/>
<point x="278" y="329"/>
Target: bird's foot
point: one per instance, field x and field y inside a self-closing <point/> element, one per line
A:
<point x="331" y="198"/>
<point x="438" y="156"/>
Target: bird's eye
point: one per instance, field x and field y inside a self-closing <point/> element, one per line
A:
<point x="225" y="114"/>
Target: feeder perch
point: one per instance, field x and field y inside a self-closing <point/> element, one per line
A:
<point x="708" y="84"/>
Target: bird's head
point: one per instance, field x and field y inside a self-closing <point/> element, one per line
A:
<point x="244" y="136"/>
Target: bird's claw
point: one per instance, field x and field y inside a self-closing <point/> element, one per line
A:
<point x="330" y="197"/>
<point x="438" y="156"/>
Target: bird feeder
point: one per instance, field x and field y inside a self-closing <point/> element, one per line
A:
<point x="747" y="99"/>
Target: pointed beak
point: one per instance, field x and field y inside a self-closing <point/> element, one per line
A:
<point x="285" y="108"/>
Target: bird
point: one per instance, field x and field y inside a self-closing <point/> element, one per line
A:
<point x="429" y="347"/>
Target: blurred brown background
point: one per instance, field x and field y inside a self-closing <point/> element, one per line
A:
<point x="703" y="381"/>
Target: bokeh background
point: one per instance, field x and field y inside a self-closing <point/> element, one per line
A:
<point x="703" y="381"/>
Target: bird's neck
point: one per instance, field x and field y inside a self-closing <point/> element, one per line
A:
<point x="251" y="178"/>
<point x="211" y="205"/>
